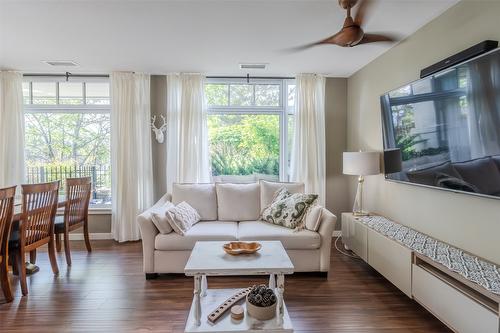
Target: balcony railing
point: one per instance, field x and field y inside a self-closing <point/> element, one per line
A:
<point x="99" y="174"/>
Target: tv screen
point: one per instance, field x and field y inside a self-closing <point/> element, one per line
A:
<point x="444" y="130"/>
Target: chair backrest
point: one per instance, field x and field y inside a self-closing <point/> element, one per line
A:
<point x="39" y="211"/>
<point x="77" y="199"/>
<point x="6" y="212"/>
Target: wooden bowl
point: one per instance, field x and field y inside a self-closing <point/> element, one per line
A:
<point x="259" y="312"/>
<point x="236" y="248"/>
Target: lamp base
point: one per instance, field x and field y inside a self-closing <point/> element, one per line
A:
<point x="357" y="209"/>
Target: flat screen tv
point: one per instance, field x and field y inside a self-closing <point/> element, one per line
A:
<point x="443" y="131"/>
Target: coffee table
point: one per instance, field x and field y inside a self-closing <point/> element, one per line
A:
<point x="209" y="259"/>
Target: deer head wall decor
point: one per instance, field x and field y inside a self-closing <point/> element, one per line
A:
<point x="160" y="137"/>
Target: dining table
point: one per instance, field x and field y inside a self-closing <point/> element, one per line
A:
<point x="16" y="219"/>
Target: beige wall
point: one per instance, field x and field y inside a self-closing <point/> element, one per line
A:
<point x="337" y="196"/>
<point x="468" y="222"/>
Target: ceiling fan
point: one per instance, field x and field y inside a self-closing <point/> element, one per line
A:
<point x="352" y="33"/>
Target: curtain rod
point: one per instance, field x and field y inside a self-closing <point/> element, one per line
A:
<point x="208" y="77"/>
<point x="65" y="75"/>
<point x="252" y="77"/>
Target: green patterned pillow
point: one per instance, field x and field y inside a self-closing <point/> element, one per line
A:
<point x="288" y="210"/>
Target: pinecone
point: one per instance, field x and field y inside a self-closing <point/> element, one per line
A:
<point x="261" y="296"/>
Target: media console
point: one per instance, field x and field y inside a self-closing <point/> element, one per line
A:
<point x="408" y="259"/>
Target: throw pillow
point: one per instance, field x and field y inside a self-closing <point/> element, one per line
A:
<point x="268" y="190"/>
<point x="182" y="217"/>
<point x="454" y="183"/>
<point x="160" y="219"/>
<point x="288" y="210"/>
<point x="313" y="218"/>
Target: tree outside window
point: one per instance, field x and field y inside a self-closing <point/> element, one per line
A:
<point x="249" y="126"/>
<point x="67" y="134"/>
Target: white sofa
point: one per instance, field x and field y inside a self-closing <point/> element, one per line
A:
<point x="231" y="212"/>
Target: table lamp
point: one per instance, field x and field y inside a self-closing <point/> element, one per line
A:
<point x="360" y="164"/>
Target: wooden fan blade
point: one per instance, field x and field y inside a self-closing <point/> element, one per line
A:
<point x="363" y="8"/>
<point x="335" y="39"/>
<point x="301" y="47"/>
<point x="373" y="38"/>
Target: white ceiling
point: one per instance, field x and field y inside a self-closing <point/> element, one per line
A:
<point x="209" y="36"/>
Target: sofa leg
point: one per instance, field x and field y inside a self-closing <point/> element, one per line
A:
<point x="323" y="274"/>
<point x="151" y="276"/>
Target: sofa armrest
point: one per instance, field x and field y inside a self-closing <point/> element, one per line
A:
<point x="326" y="228"/>
<point x="148" y="234"/>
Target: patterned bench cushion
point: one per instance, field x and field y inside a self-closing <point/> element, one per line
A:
<point x="470" y="267"/>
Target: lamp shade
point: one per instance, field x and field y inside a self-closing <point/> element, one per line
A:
<point x="392" y="160"/>
<point x="361" y="163"/>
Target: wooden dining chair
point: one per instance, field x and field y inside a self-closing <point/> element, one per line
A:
<point x="6" y="212"/>
<point x="76" y="213"/>
<point x="36" y="227"/>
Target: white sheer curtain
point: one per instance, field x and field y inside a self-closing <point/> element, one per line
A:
<point x="187" y="133"/>
<point x="11" y="129"/>
<point x="131" y="163"/>
<point x="308" y="151"/>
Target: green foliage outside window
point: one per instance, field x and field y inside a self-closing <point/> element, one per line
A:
<point x="244" y="144"/>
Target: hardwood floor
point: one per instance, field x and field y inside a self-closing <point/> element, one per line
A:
<point x="105" y="291"/>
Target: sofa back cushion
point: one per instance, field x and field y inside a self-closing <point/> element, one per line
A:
<point x="428" y="176"/>
<point x="238" y="202"/>
<point x="482" y="173"/>
<point x="201" y="197"/>
<point x="267" y="190"/>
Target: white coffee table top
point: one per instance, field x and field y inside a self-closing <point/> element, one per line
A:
<point x="209" y="258"/>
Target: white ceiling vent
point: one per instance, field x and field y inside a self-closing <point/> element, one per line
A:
<point x="253" y="66"/>
<point x="61" y="63"/>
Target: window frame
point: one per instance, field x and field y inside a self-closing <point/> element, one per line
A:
<point x="282" y="110"/>
<point x="58" y="108"/>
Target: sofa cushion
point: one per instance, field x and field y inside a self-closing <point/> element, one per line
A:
<point x="160" y="219"/>
<point x="291" y="240"/>
<point x="182" y="217"/>
<point x="482" y="173"/>
<point x="267" y="190"/>
<point x="454" y="183"/>
<point x="288" y="210"/>
<point x="313" y="218"/>
<point x="238" y="202"/>
<point x="201" y="197"/>
<point x="202" y="231"/>
<point x="428" y="176"/>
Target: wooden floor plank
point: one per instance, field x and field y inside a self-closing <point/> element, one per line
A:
<point x="105" y="291"/>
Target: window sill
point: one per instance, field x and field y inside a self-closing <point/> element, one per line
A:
<point x="92" y="211"/>
<point x="100" y="211"/>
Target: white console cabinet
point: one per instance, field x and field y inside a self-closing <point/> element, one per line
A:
<point x="388" y="257"/>
<point x="462" y="305"/>
<point x="355" y="236"/>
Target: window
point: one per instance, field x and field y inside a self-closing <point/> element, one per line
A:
<point x="250" y="127"/>
<point x="67" y="134"/>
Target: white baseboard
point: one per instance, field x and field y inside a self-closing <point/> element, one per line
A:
<point x="108" y="235"/>
<point x="93" y="236"/>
